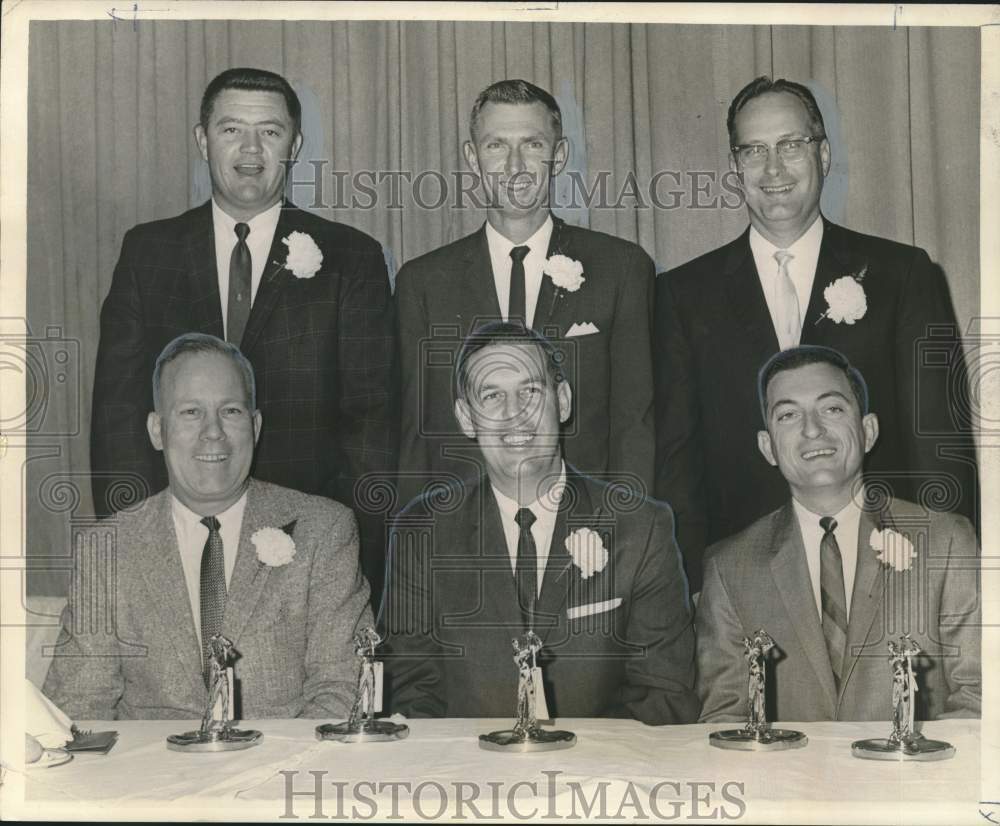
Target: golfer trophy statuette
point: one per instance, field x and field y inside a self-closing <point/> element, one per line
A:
<point x="216" y="732"/>
<point x="905" y="742"/>
<point x="361" y="725"/>
<point x="527" y="735"/>
<point x="757" y="735"/>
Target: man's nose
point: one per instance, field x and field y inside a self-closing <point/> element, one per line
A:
<point x="211" y="427"/>
<point x="251" y="141"/>
<point x="812" y="426"/>
<point x="773" y="163"/>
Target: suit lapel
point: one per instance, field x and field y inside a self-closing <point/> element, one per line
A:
<point x="167" y="588"/>
<point x="272" y="280"/>
<point x="791" y="576"/>
<point x="249" y="574"/>
<point x="478" y="272"/>
<point x="548" y="295"/>
<point x="746" y="296"/>
<point x="834" y="261"/>
<point x="866" y="597"/>
<point x="204" y="306"/>
<point x="486" y="536"/>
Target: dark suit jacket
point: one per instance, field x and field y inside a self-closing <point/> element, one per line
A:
<point x="714" y="333"/>
<point x="442" y="296"/>
<point x="760" y="579"/>
<point x="322" y="350"/>
<point x="292" y="625"/>
<point x="451" y="611"/>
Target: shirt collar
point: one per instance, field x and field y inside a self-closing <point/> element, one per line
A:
<point x="189" y="517"/>
<point x="807" y="244"/>
<point x="259" y="224"/>
<point x="847" y="517"/>
<point x="541" y="507"/>
<point x="538" y="242"/>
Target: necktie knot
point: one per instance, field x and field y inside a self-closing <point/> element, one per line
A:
<point x="828" y="524"/>
<point x="519" y="253"/>
<point x="783" y="257"/>
<point x="242" y="231"/>
<point x="524" y="518"/>
<point x="211" y="523"/>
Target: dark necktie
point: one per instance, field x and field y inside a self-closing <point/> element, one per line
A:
<point x="238" y="310"/>
<point x="832" y="596"/>
<point x="213" y="587"/>
<point x="526" y="569"/>
<point x="517" y="307"/>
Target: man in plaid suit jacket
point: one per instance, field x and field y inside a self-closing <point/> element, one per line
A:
<point x="319" y="330"/>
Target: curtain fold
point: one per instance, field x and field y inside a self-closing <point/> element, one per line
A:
<point x="111" y="111"/>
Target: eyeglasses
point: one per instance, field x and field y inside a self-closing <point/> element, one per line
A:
<point x="789" y="149"/>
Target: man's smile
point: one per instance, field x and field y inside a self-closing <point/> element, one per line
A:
<point x="818" y="452"/>
<point x="211" y="458"/>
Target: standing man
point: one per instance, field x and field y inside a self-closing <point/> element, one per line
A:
<point x="793" y="277"/>
<point x="273" y="570"/>
<point x="534" y="545"/>
<point x="590" y="292"/>
<point x="307" y="301"/>
<point x="837" y="571"/>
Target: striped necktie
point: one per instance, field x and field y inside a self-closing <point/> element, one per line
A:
<point x="833" y="597"/>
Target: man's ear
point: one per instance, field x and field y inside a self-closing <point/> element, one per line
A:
<point x="154" y="426"/>
<point x="469" y="150"/>
<point x="870" y="425"/>
<point x="201" y="139"/>
<point x="565" y="396"/>
<point x="765" y="447"/>
<point x="560" y="156"/>
<point x="296" y="146"/>
<point x="464" y="417"/>
<point x="257" y="421"/>
<point x="825" y="156"/>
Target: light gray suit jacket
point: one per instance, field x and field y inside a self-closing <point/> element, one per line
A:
<point x="759" y="579"/>
<point x="128" y="649"/>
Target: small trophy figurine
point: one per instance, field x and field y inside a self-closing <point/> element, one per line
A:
<point x="216" y="732"/>
<point x="905" y="742"/>
<point x="527" y="735"/>
<point x="361" y="725"/>
<point x="757" y="735"/>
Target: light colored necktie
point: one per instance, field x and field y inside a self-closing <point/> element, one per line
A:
<point x="789" y="324"/>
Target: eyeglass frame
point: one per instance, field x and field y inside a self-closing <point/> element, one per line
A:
<point x="807" y="140"/>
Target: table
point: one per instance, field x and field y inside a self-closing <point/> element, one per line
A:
<point x="619" y="769"/>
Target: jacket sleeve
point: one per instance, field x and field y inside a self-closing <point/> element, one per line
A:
<point x="722" y="675"/>
<point x="680" y="458"/>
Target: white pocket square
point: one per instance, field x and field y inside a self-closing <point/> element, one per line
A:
<point x="587" y="329"/>
<point x="578" y="611"/>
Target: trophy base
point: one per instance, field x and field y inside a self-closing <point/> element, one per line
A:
<point x="916" y="748"/>
<point x="367" y="731"/>
<point x="230" y="739"/>
<point x="538" y="739"/>
<point x="776" y="739"/>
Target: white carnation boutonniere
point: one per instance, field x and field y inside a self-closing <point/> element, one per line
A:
<point x="846" y="301"/>
<point x="304" y="256"/>
<point x="566" y="273"/>
<point x="274" y="547"/>
<point x="893" y="549"/>
<point x="586" y="548"/>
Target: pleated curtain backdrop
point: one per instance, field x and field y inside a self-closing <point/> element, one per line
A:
<point x="112" y="106"/>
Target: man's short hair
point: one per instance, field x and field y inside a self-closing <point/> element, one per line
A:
<point x="802" y="356"/>
<point x="252" y="80"/>
<point x="515" y="91"/>
<point x="189" y="343"/>
<point x="503" y="332"/>
<point x="762" y="86"/>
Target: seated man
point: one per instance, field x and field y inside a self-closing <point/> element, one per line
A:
<point x="534" y="545"/>
<point x="274" y="570"/>
<point x="835" y="574"/>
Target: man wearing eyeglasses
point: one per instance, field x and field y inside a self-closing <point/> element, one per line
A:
<point x="795" y="278"/>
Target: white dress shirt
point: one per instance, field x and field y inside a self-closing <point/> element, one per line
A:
<point x="534" y="262"/>
<point x="801" y="269"/>
<point x="259" y="239"/>
<point x="545" y="509"/>
<point x="191" y="539"/>
<point x="847" y="540"/>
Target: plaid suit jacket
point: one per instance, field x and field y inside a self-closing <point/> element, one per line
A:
<point x="322" y="349"/>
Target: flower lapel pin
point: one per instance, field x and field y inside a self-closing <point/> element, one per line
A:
<point x="587" y="551"/>
<point x="304" y="256"/>
<point x="893" y="549"/>
<point x="275" y="546"/>
<point x="846" y="301"/>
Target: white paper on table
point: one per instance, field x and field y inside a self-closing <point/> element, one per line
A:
<point x="44" y="720"/>
<point x="377" y="690"/>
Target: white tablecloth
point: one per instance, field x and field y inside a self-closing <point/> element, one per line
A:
<point x="648" y="773"/>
